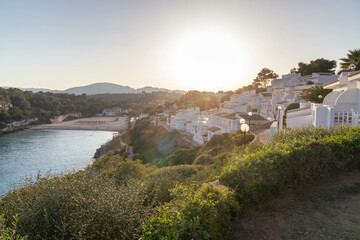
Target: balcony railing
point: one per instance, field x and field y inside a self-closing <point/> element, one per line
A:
<point x="347" y="118"/>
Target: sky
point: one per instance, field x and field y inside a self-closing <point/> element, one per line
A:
<point x="185" y="44"/>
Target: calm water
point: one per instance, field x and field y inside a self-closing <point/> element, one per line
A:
<point x="28" y="152"/>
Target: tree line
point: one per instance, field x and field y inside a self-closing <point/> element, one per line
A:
<point x="18" y="105"/>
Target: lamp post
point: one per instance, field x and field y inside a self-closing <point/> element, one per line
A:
<point x="279" y="109"/>
<point x="320" y="97"/>
<point x="250" y="114"/>
<point x="244" y="127"/>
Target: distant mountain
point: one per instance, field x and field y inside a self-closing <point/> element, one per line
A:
<point x="99" y="88"/>
<point x="102" y="88"/>
<point x="151" y="89"/>
<point x="35" y="90"/>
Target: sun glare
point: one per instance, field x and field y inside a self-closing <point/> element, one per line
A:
<point x="207" y="59"/>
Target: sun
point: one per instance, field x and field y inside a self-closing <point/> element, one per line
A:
<point x="207" y="59"/>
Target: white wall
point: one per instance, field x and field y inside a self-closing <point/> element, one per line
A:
<point x="299" y="122"/>
<point x="273" y="129"/>
<point x="299" y="118"/>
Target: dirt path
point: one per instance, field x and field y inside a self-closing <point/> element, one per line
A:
<point x="263" y="135"/>
<point x="131" y="152"/>
<point x="326" y="210"/>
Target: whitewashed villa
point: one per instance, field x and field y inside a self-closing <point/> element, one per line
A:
<point x="340" y="107"/>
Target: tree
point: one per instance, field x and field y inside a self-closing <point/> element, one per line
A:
<point x="263" y="77"/>
<point x="318" y="65"/>
<point x="351" y="61"/>
<point x="313" y="94"/>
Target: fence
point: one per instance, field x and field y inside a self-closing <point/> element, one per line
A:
<point x="347" y="118"/>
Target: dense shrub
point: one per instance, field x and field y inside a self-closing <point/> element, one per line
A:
<point x="78" y="206"/>
<point x="238" y="138"/>
<point x="198" y="212"/>
<point x="226" y="142"/>
<point x="295" y="157"/>
<point x="127" y="170"/>
<point x="204" y="159"/>
<point x="308" y="133"/>
<point x="181" y="156"/>
<point x="158" y="183"/>
<point x="9" y="233"/>
<point x="153" y="144"/>
<point x="292" y="106"/>
<point x="107" y="162"/>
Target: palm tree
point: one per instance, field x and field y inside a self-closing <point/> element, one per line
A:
<point x="315" y="94"/>
<point x="352" y="61"/>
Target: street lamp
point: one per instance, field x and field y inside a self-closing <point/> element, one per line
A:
<point x="244" y="128"/>
<point x="250" y="114"/>
<point x="320" y="97"/>
<point x="279" y="109"/>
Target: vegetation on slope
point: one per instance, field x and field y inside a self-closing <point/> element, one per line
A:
<point x="161" y="147"/>
<point x="150" y="103"/>
<point x="264" y="172"/>
<point x="22" y="105"/>
<point x="118" y="198"/>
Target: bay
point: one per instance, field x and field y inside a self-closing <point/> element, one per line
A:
<point x="26" y="153"/>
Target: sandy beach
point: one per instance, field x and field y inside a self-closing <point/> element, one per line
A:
<point x="93" y="123"/>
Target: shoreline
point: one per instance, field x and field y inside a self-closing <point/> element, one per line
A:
<point x="92" y="123"/>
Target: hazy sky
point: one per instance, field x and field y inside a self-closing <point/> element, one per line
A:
<point x="62" y="44"/>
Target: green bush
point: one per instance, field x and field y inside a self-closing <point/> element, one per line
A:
<point x="78" y="206"/>
<point x="292" y="106"/>
<point x="204" y="159"/>
<point x="198" y="212"/>
<point x="9" y="233"/>
<point x="226" y="142"/>
<point x="293" y="158"/>
<point x="219" y="140"/>
<point x="181" y="156"/>
<point x="109" y="161"/>
<point x="127" y="170"/>
<point x="157" y="184"/>
<point x="238" y="138"/>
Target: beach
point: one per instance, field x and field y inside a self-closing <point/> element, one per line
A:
<point x="93" y="123"/>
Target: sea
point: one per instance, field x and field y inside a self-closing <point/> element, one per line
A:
<point x="26" y="154"/>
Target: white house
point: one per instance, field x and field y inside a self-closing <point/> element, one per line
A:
<point x="340" y="107"/>
<point x="183" y="116"/>
<point x="143" y="115"/>
<point x="239" y="102"/>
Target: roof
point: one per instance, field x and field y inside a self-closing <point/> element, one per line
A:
<point x="353" y="74"/>
<point x="331" y="83"/>
<point x="265" y="94"/>
<point x="253" y="117"/>
<point x="231" y="116"/>
<point x="214" y="129"/>
<point x="298" y="109"/>
<point x="220" y="114"/>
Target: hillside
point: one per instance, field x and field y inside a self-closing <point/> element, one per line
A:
<point x="284" y="190"/>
